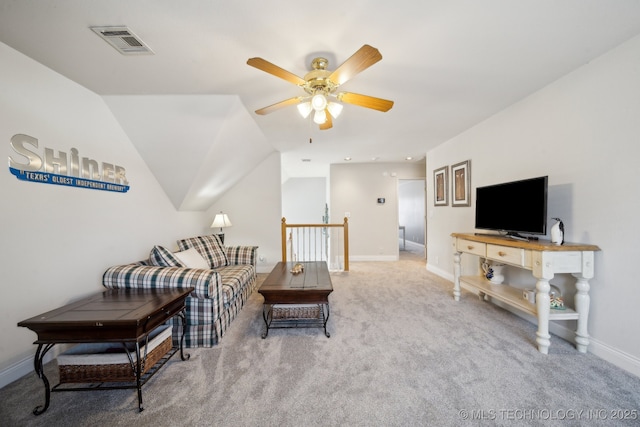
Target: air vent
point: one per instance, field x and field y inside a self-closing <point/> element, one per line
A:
<point x="123" y="40"/>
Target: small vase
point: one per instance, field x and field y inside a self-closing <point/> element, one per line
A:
<point x="498" y="277"/>
<point x="493" y="272"/>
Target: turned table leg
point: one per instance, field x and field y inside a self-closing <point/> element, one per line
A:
<point x="543" y="302"/>
<point x="456" y="276"/>
<point x="582" y="301"/>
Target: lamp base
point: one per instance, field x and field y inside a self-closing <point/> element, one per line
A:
<point x="221" y="237"/>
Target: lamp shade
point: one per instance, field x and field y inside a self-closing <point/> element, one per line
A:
<point x="221" y="220"/>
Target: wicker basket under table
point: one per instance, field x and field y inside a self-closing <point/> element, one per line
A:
<point x="107" y="362"/>
<point x="297" y="312"/>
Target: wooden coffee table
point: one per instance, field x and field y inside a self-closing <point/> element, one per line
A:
<point x="115" y="315"/>
<point x="296" y="300"/>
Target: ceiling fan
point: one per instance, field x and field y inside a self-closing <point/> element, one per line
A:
<point x="321" y="87"/>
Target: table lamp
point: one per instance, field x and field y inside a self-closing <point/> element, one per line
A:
<point x="221" y="220"/>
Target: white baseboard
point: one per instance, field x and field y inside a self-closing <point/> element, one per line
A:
<point x="612" y="355"/>
<point x="267" y="268"/>
<point x="411" y="245"/>
<point x="16" y="371"/>
<point x="442" y="273"/>
<point x="24" y="367"/>
<point x="357" y="258"/>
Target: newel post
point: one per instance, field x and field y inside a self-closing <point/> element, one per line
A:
<point x="284" y="239"/>
<point x="346" y="243"/>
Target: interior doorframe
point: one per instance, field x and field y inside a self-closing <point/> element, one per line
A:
<point x="423" y="204"/>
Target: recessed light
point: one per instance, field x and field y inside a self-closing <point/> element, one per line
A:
<point x="375" y="159"/>
<point x="306" y="160"/>
<point x="348" y="159"/>
<point x="408" y="158"/>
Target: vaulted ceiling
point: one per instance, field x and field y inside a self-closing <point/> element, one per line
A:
<point x="447" y="65"/>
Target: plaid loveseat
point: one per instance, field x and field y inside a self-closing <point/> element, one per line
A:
<point x="221" y="285"/>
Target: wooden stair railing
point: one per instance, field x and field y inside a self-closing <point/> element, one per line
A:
<point x="311" y="242"/>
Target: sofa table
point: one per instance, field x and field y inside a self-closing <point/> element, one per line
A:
<point x="544" y="260"/>
<point x="310" y="287"/>
<point x="117" y="316"/>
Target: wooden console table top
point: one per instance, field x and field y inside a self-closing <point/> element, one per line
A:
<point x="534" y="245"/>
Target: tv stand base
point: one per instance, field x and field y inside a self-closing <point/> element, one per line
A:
<point x="516" y="236"/>
<point x="544" y="260"/>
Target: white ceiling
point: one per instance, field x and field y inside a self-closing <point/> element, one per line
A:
<point x="447" y="65"/>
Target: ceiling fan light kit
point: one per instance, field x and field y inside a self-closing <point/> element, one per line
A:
<point x="320" y="83"/>
<point x="319" y="102"/>
<point x="305" y="109"/>
<point x="320" y="117"/>
<point x="334" y="109"/>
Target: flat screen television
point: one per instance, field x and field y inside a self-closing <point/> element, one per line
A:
<point x="513" y="207"/>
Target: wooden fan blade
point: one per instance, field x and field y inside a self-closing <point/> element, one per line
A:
<point x="365" y="101"/>
<point x="328" y="124"/>
<point x="364" y="58"/>
<point x="279" y="105"/>
<point x="270" y="68"/>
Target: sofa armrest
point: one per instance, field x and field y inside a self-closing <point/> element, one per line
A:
<point x="206" y="283"/>
<point x="242" y="255"/>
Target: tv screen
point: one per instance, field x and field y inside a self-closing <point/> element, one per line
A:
<point x="513" y="207"/>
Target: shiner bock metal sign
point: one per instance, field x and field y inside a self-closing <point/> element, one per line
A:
<point x="69" y="170"/>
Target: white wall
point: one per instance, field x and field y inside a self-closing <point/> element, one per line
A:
<point x="304" y="200"/>
<point x="56" y="241"/>
<point x="582" y="131"/>
<point x="254" y="208"/>
<point x="355" y="188"/>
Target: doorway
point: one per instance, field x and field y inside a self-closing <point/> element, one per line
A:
<point x="411" y="216"/>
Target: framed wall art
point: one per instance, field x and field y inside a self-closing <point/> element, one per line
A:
<point x="461" y="184"/>
<point x="440" y="186"/>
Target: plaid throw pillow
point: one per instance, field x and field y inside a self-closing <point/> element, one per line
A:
<point x="162" y="257"/>
<point x="209" y="247"/>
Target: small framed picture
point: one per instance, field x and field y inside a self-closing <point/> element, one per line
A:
<point x="440" y="186"/>
<point x="461" y="184"/>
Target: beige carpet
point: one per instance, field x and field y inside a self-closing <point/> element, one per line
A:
<point x="401" y="353"/>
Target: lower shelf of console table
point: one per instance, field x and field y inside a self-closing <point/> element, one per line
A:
<point x="544" y="260"/>
<point x="513" y="296"/>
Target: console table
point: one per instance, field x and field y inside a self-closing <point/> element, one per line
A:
<point x="115" y="315"/>
<point x="544" y="260"/>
